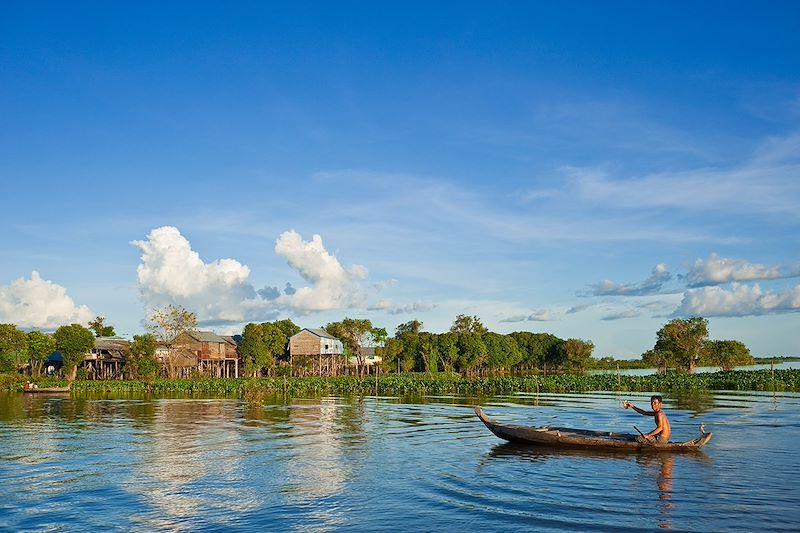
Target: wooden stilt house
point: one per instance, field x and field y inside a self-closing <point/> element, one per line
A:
<point x="314" y="351"/>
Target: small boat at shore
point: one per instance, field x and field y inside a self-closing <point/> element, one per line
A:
<point x="46" y="390"/>
<point x="581" y="438"/>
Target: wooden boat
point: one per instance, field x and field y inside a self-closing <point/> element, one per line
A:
<point x="581" y="438"/>
<point x="45" y="390"/>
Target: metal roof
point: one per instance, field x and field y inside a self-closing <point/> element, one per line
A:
<point x="319" y="332"/>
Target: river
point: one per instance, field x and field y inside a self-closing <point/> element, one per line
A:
<point x="390" y="464"/>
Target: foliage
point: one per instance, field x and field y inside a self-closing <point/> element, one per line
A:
<point x="263" y="343"/>
<point x="727" y="354"/>
<point x="472" y="352"/>
<point x="167" y="324"/>
<point x="40" y="346"/>
<point x="575" y="355"/>
<point x="536" y="348"/>
<point x="74" y="342"/>
<point x="684" y="340"/>
<point x="468" y="324"/>
<point x="443" y="383"/>
<point x="287" y="327"/>
<point x="253" y="350"/>
<point x="141" y="361"/>
<point x="355" y="334"/>
<point x="100" y="329"/>
<point x="13" y="347"/>
<point x="502" y="351"/>
<point x="412" y="327"/>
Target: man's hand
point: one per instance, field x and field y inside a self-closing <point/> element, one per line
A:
<point x="626" y="404"/>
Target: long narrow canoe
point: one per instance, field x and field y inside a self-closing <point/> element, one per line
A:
<point x="581" y="438"/>
<point x="44" y="390"/>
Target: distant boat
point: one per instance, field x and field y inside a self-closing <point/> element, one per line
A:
<point x="581" y="438"/>
<point x="45" y="390"/>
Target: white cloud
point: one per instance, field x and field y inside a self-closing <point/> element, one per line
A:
<point x="717" y="270"/>
<point x="740" y="300"/>
<point x="631" y="313"/>
<point x="220" y="291"/>
<point x="332" y="287"/>
<point x="39" y="303"/>
<point x="766" y="183"/>
<point x="651" y="285"/>
<point x="393" y="309"/>
<point x="171" y="272"/>
<point x="542" y="315"/>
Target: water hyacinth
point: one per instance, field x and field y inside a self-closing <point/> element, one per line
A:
<point x="436" y="383"/>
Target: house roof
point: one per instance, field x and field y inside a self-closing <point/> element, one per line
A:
<point x="319" y="332"/>
<point x="206" y="336"/>
<point x="111" y="343"/>
<point x="232" y="339"/>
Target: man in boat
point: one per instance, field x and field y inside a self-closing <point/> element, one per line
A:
<point x="662" y="430"/>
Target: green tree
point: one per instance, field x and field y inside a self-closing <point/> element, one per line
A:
<point x="728" y="354"/>
<point x="661" y="360"/>
<point x="355" y="334"/>
<point x="501" y="352"/>
<point x="100" y="329"/>
<point x="141" y="361"/>
<point x="575" y="355"/>
<point x="40" y="346"/>
<point x="166" y="324"/>
<point x="685" y="339"/>
<point x="253" y="350"/>
<point x="471" y="352"/>
<point x="288" y="327"/>
<point x="13" y="348"/>
<point x="410" y="357"/>
<point x="536" y="348"/>
<point x="448" y="350"/>
<point x="428" y="352"/>
<point x="412" y="327"/>
<point x="74" y="342"/>
<point x="392" y="350"/>
<point x="275" y="341"/>
<point x="468" y="324"/>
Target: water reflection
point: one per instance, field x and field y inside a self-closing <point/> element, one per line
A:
<point x="187" y="442"/>
<point x="658" y="468"/>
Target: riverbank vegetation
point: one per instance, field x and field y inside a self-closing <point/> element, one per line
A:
<point x="434" y="384"/>
<point x="468" y="349"/>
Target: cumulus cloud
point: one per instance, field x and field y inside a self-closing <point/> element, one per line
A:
<point x="220" y="292"/>
<point x="740" y="300"/>
<point x="39" y="303"/>
<point x="717" y="270"/>
<point x="269" y="293"/>
<point x="332" y="287"/>
<point x="651" y="285"/>
<point x="171" y="272"/>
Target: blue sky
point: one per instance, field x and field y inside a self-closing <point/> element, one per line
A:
<point x="582" y="169"/>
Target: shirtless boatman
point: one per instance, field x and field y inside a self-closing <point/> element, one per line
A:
<point x="662" y="430"/>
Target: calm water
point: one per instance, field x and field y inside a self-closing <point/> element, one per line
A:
<point x="332" y="464"/>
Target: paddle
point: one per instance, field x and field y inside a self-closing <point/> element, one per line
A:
<point x="645" y="438"/>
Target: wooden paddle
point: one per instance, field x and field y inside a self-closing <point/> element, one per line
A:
<point x="648" y="441"/>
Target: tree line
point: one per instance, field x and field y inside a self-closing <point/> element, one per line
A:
<point x="468" y="347"/>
